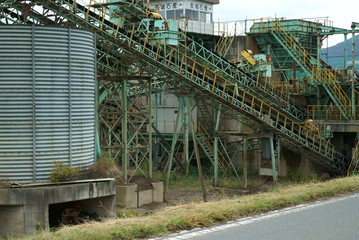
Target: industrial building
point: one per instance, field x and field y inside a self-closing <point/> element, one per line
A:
<point x="159" y="84"/>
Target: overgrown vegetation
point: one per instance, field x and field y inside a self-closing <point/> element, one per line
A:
<point x="62" y="173"/>
<point x="5" y="183"/>
<point x="180" y="180"/>
<point x="103" y="168"/>
<point x="194" y="215"/>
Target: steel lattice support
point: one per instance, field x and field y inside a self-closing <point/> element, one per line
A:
<point x="190" y="70"/>
<point x="126" y="132"/>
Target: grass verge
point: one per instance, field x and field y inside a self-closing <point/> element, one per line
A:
<point x="194" y="215"/>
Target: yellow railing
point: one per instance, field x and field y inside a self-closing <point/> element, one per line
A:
<point x="188" y="69"/>
<point x="339" y="75"/>
<point x="354" y="161"/>
<point x="207" y="139"/>
<point x="292" y="43"/>
<point x="330" y="112"/>
<point x="295" y="86"/>
<point x="318" y="75"/>
<point x="328" y="77"/>
<point x="223" y="44"/>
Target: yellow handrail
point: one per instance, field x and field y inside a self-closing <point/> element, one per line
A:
<point x="209" y="141"/>
<point x="217" y="85"/>
<point x="354" y="160"/>
<point x="329" y="112"/>
<point x="318" y="75"/>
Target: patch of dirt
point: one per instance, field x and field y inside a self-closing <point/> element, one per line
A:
<point x="184" y="196"/>
<point x="143" y="183"/>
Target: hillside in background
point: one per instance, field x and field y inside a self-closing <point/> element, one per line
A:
<point x="335" y="55"/>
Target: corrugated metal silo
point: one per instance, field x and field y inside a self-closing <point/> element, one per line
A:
<point x="47" y="100"/>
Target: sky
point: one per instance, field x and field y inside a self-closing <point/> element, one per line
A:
<point x="341" y="13"/>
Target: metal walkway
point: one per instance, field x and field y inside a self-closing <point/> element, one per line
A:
<point x="312" y="67"/>
<point x="189" y="68"/>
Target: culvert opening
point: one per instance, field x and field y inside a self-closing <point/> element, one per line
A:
<point x="73" y="213"/>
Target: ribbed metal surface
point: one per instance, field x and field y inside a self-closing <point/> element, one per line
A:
<point x="47" y="100"/>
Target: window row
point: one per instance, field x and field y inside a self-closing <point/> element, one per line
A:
<point x="190" y="14"/>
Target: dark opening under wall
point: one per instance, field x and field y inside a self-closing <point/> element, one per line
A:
<point x="76" y="212"/>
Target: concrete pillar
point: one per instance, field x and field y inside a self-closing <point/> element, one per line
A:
<point x="157" y="191"/>
<point x="283" y="169"/>
<point x="306" y="166"/>
<point x="12" y="220"/>
<point x="144" y="197"/>
<point x="126" y="195"/>
<point x="36" y="211"/>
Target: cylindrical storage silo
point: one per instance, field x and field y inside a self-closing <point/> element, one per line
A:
<point x="47" y="100"/>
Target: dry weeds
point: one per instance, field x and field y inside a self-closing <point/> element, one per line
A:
<point x="188" y="216"/>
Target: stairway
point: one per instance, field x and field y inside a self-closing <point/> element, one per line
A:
<point x="207" y="144"/>
<point x="310" y="65"/>
<point x="224" y="44"/>
<point x="189" y="70"/>
<point x="206" y="115"/>
<point x="353" y="167"/>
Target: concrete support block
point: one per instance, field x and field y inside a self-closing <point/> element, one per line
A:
<point x="144" y="197"/>
<point x="36" y="218"/>
<point x="283" y="169"/>
<point x="157" y="194"/>
<point x="307" y="166"/>
<point x="11" y="221"/>
<point x="254" y="160"/>
<point x="126" y="195"/>
<point x="27" y="210"/>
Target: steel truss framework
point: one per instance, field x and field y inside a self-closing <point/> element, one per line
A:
<point x="112" y="71"/>
<point x="189" y="68"/>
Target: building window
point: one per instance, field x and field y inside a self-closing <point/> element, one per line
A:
<point x="179" y="13"/>
<point x="192" y="14"/>
<point x="202" y="16"/>
<point x="170" y="14"/>
<point x="208" y="17"/>
<point x="163" y="14"/>
<point x="174" y="14"/>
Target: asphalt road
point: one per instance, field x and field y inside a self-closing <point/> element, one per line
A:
<point x="335" y="219"/>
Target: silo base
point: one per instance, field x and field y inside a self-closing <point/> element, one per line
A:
<point x="37" y="208"/>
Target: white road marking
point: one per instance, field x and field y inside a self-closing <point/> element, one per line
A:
<point x="249" y="220"/>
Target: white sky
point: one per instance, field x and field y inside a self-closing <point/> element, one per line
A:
<point x="342" y="13"/>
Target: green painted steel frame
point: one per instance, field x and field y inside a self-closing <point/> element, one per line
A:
<point x="217" y="90"/>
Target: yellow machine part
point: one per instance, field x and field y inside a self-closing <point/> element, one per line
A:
<point x="311" y="125"/>
<point x="155" y="15"/>
<point x="246" y="55"/>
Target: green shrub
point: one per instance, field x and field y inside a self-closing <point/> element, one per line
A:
<point x="62" y="173"/>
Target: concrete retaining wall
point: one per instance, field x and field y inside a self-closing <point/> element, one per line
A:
<point x="28" y="208"/>
<point x="128" y="195"/>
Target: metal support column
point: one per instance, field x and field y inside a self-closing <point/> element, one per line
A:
<point x="197" y="154"/>
<point x="353" y="75"/>
<point x="245" y="161"/>
<point x="174" y="141"/>
<point x="186" y="136"/>
<point x="318" y="50"/>
<point x="345" y="50"/>
<point x="156" y="142"/>
<point x="274" y="171"/>
<point x="124" y="124"/>
<point x="278" y="156"/>
<point x="150" y="142"/>
<point x="215" y="178"/>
